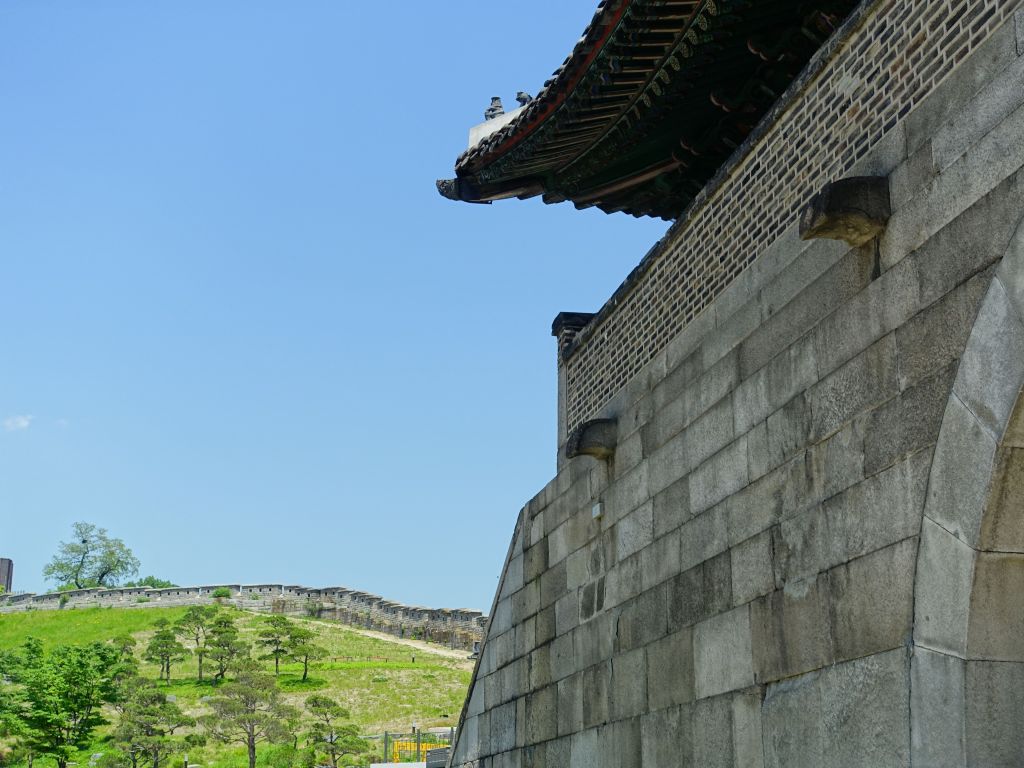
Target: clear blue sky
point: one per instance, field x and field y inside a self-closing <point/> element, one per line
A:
<point x="238" y="326"/>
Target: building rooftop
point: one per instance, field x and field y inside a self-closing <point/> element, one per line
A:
<point x="654" y="98"/>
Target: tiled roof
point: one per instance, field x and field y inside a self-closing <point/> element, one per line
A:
<point x="651" y="102"/>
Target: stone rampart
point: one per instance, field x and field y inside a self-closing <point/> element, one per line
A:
<point x="847" y="102"/>
<point x="802" y="543"/>
<point x="457" y="627"/>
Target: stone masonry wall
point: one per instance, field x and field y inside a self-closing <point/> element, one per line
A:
<point x="457" y="627"/>
<point x="901" y="50"/>
<point x="808" y="547"/>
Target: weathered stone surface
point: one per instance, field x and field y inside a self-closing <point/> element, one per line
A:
<point x="752" y="571"/>
<point x="972" y="240"/>
<point x="793" y="736"/>
<point x="670" y="670"/>
<point x="712" y="732"/>
<point x="620" y="744"/>
<point x="635" y="531"/>
<point x="719" y="477"/>
<point x="937" y="709"/>
<point x="942" y="591"/>
<point x="703" y="537"/>
<point x="596" y="684"/>
<point x="667" y="736"/>
<point x="908" y="422"/>
<point x="541" y="715"/>
<point x="569" y="702"/>
<point x="1003" y="524"/>
<point x="722" y="653"/>
<point x="996" y="630"/>
<point x="877" y="512"/>
<point x="961" y="470"/>
<point x="789" y="321"/>
<point x="701" y="592"/>
<point x="854" y="210"/>
<point x="990" y="106"/>
<point x="584" y="749"/>
<point x="642" y="620"/>
<point x="992" y="368"/>
<point x="865" y="708"/>
<point x="995" y="700"/>
<point x="595" y="640"/>
<point x="871" y="601"/>
<point x="867" y="380"/>
<point x="936" y="337"/>
<point x="788" y="429"/>
<point x="790" y="631"/>
<point x="747" y="737"/>
<point x="660" y="561"/>
<point x="957" y="91"/>
<point x="629" y="684"/>
<point x="502" y="727"/>
<point x="672" y="507"/>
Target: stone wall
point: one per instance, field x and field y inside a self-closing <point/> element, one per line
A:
<point x="897" y="52"/>
<point x="457" y="627"/>
<point x="808" y="546"/>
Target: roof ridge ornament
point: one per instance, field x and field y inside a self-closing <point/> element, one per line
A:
<point x="495" y="110"/>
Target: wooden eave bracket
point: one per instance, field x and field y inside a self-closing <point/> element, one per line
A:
<point x="855" y="210"/>
<point x="596" y="438"/>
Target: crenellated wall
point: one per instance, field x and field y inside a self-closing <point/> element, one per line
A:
<point x="803" y="543"/>
<point x="457" y="627"/>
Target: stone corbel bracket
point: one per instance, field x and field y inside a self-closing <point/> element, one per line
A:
<point x="595" y="438"/>
<point x="855" y="210"/>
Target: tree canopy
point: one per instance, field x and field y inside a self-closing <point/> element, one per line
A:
<point x="91" y="559"/>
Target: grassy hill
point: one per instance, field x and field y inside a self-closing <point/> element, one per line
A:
<point x="386" y="684"/>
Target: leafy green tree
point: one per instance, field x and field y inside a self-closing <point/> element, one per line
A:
<point x="152" y="582"/>
<point x="195" y="625"/>
<point x="329" y="735"/>
<point x="164" y="649"/>
<point x="302" y="648"/>
<point x="59" y="696"/>
<point x="249" y="710"/>
<point x="145" y="732"/>
<point x="223" y="645"/>
<point x="91" y="559"/>
<point x="274" y="637"/>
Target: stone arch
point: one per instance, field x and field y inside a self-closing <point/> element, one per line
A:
<point x="967" y="668"/>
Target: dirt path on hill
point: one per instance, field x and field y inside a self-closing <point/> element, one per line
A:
<point x="437" y="650"/>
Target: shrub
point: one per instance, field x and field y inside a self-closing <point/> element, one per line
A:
<point x="141" y="599"/>
<point x="220" y="592"/>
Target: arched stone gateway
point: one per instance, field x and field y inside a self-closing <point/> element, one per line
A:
<point x="967" y="677"/>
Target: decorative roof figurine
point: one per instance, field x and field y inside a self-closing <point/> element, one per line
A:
<point x="495" y="110"/>
<point x="523" y="98"/>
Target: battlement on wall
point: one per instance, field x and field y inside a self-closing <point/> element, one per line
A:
<point x="885" y="61"/>
<point x="458" y="627"/>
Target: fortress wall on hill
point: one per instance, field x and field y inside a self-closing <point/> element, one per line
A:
<point x="459" y="628"/>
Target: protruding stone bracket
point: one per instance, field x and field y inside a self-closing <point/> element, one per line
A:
<point x="595" y="438"/>
<point x="565" y="328"/>
<point x="855" y="210"/>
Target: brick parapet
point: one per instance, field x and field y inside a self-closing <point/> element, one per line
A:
<point x="884" y="62"/>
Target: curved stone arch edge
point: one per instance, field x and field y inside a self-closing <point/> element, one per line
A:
<point x="978" y="412"/>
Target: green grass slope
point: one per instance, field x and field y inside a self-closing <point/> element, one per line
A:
<point x="386" y="685"/>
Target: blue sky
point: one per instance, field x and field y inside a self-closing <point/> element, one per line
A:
<point x="239" y="328"/>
